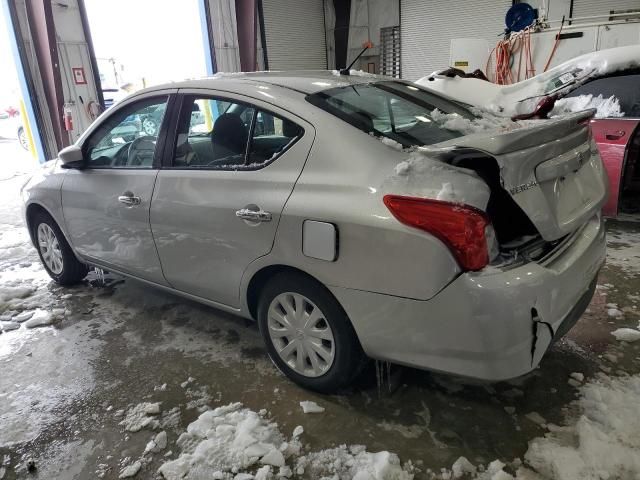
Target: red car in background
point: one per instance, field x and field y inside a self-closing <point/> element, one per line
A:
<point x="618" y="140"/>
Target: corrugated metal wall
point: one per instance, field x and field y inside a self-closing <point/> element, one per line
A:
<point x="427" y="27"/>
<point x="587" y="8"/>
<point x="295" y="34"/>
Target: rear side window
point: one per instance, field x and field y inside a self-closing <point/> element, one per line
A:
<point x="219" y="134"/>
<point x="394" y="110"/>
<point x="212" y="133"/>
<point x="626" y="88"/>
<point x="271" y="136"/>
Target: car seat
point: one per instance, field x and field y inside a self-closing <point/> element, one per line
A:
<point x="229" y="139"/>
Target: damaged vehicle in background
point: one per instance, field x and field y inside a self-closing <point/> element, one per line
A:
<point x="607" y="80"/>
<point x="340" y="215"/>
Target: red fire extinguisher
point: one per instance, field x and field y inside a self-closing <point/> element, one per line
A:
<point x="67" y="117"/>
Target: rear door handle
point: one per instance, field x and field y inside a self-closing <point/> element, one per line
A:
<point x="615" y="135"/>
<point x="129" y="199"/>
<point x="253" y="215"/>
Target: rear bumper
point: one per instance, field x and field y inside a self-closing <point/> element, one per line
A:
<point x="492" y="325"/>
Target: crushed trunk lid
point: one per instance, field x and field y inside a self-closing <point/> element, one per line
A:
<point x="551" y="170"/>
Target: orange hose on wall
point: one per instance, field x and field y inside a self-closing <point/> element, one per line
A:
<point x="505" y="53"/>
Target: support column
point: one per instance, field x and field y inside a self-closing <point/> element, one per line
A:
<point x="246" y="15"/>
<point x="42" y="29"/>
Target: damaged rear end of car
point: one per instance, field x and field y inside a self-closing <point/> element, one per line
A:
<point x="547" y="182"/>
<point x="534" y="235"/>
<point x="495" y="224"/>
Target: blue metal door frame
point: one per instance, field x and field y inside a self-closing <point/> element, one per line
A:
<point x="23" y="82"/>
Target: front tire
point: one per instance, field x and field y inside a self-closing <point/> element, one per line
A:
<point x="307" y="333"/>
<point x="55" y="253"/>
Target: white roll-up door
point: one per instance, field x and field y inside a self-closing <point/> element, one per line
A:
<point x="427" y="27"/>
<point x="294" y="31"/>
<point x="587" y="8"/>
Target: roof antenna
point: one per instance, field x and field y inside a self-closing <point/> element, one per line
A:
<point x="367" y="45"/>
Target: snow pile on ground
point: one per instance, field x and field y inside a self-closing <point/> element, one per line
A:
<point x="605" y="107"/>
<point x="602" y="443"/>
<point x="131" y="470"/>
<point x="233" y="442"/>
<point x="626" y="334"/>
<point x="141" y="416"/>
<point x="353" y="462"/>
<point x="226" y="441"/>
<point x="157" y="443"/>
<point x="311" y="407"/>
<point x="605" y="440"/>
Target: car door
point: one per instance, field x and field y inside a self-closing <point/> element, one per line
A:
<point x="218" y="199"/>
<point x="106" y="203"/>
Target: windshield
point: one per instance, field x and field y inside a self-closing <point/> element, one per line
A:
<point x="396" y="110"/>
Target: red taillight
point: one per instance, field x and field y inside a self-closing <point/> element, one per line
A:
<point x="460" y="227"/>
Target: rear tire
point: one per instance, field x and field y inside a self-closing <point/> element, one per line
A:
<point x="307" y="333"/>
<point x="55" y="253"/>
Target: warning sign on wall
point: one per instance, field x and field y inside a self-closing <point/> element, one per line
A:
<point x="78" y="76"/>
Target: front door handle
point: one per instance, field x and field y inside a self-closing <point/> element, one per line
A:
<point x="253" y="215"/>
<point x="129" y="199"/>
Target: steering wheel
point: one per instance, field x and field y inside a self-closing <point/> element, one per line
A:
<point x="141" y="151"/>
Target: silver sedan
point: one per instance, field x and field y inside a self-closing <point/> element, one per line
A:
<point x="342" y="213"/>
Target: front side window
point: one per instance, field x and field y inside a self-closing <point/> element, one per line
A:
<point x="220" y="134"/>
<point x="391" y="109"/>
<point x="127" y="139"/>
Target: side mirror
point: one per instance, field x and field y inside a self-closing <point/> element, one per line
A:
<point x="71" y="157"/>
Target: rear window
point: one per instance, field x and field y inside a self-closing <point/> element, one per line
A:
<point x="396" y="110"/>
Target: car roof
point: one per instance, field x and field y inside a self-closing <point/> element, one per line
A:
<point x="303" y="81"/>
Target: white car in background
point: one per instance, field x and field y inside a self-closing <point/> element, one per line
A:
<point x="11" y="127"/>
<point x="607" y="81"/>
<point x="522" y="98"/>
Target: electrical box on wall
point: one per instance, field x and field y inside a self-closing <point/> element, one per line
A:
<point x="469" y="54"/>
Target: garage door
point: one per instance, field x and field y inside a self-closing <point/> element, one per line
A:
<point x="586" y="8"/>
<point x="294" y="31"/>
<point x="427" y="27"/>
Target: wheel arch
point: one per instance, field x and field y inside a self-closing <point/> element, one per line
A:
<point x="32" y="210"/>
<point x="260" y="279"/>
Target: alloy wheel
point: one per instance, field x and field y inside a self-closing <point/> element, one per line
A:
<point x="149" y="126"/>
<point x="50" y="248"/>
<point x="301" y="335"/>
